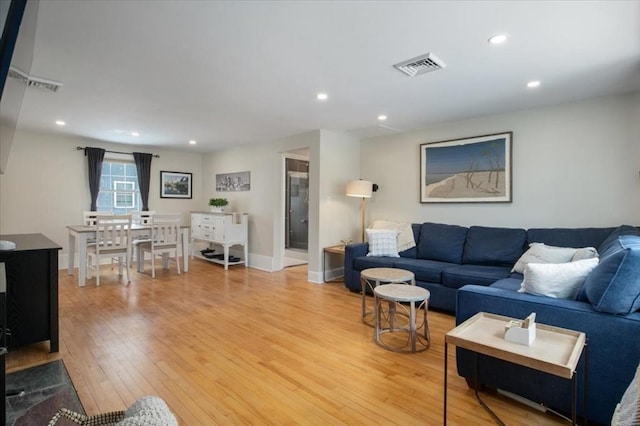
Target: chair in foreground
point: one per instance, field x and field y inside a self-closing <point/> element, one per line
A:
<point x="113" y="240"/>
<point x="165" y="240"/>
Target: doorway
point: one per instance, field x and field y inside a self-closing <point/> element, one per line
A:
<point x="296" y="227"/>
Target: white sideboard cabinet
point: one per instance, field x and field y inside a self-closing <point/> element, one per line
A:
<point x="219" y="230"/>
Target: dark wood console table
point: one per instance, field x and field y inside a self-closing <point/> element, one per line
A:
<point x="32" y="290"/>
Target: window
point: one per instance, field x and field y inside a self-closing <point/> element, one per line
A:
<point x="124" y="194"/>
<point x="119" y="190"/>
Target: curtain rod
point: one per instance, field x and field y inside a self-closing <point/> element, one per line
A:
<point x="81" y="148"/>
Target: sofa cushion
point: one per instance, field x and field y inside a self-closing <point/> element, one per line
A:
<point x="569" y="237"/>
<point x="512" y="284"/>
<point x="459" y="275"/>
<point x="382" y="242"/>
<point x="559" y="280"/>
<point x="424" y="270"/>
<point x="614" y="285"/>
<point x="441" y="242"/>
<point x="362" y="262"/>
<point x="493" y="246"/>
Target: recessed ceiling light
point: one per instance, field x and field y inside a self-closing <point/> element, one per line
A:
<point x="382" y="117"/>
<point x="322" y="96"/>
<point x="533" y="84"/>
<point x="498" y="39"/>
<point x="60" y="123"/>
<point x="192" y="142"/>
<point x="135" y="134"/>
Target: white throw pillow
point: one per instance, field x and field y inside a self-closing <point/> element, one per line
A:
<point x="558" y="280"/>
<point x="585" y="253"/>
<point x="542" y="253"/>
<point x="404" y="230"/>
<point x="382" y="242"/>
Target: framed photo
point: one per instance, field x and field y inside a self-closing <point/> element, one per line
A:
<point x="175" y="185"/>
<point x="469" y="170"/>
<point x="231" y="182"/>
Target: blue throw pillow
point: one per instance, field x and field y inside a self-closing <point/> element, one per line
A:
<point x="614" y="285"/>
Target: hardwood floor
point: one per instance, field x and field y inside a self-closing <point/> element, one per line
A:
<point x="250" y="347"/>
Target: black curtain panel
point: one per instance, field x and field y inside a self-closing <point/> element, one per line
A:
<point x="143" y="167"/>
<point x="95" y="156"/>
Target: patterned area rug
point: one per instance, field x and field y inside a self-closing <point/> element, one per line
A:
<point x="35" y="394"/>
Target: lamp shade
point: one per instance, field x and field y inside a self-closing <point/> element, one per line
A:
<point x="360" y="188"/>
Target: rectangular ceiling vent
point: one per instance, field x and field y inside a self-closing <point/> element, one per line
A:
<point x="32" y="81"/>
<point x="420" y="65"/>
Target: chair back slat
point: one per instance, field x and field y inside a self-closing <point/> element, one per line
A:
<point x="89" y="217"/>
<point x="165" y="230"/>
<point x="113" y="233"/>
<point x="142" y="217"/>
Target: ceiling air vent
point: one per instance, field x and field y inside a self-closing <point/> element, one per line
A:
<point x="32" y="81"/>
<point x="420" y="65"/>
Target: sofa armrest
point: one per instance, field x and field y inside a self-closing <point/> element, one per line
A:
<point x="351" y="276"/>
<point x="613" y="348"/>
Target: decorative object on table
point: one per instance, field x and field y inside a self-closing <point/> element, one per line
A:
<point x="468" y="170"/>
<point x="218" y="205"/>
<point x="363" y="189"/>
<point x="232" y="182"/>
<point x="7" y="245"/>
<point x="175" y="185"/>
<point x="345" y="242"/>
<point x="521" y="332"/>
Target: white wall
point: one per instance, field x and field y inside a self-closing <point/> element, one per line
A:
<point x="333" y="160"/>
<point x="264" y="201"/>
<point x="44" y="187"/>
<point x="574" y="165"/>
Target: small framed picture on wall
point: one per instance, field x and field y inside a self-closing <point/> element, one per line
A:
<point x="175" y="185"/>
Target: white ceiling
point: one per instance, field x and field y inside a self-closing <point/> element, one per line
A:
<point x="228" y="73"/>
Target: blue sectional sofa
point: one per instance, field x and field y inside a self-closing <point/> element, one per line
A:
<point x="468" y="270"/>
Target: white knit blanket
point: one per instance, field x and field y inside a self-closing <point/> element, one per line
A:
<point x="405" y="233"/>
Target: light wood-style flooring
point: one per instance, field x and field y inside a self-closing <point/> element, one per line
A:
<point x="251" y="347"/>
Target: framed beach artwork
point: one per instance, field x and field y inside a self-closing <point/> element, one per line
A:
<point x="469" y="170"/>
<point x="231" y="182"/>
<point x="175" y="185"/>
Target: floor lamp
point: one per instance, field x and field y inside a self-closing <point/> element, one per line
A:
<point x="362" y="189"/>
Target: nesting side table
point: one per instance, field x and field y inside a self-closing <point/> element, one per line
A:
<point x="396" y="294"/>
<point x="373" y="277"/>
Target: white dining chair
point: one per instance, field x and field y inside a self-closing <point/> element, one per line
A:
<point x="113" y="240"/>
<point x="165" y="240"/>
<point x="90" y="216"/>
<point x="89" y="219"/>
<point x="141" y="218"/>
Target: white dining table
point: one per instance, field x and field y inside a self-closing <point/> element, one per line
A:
<point x="83" y="233"/>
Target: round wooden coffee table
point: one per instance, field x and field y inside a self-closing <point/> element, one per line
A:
<point x="395" y="323"/>
<point x="373" y="277"/>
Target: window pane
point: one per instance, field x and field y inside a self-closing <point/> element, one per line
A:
<point x="117" y="169"/>
<point x="119" y="191"/>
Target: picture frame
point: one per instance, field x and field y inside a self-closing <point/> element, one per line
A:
<point x="233" y="182"/>
<point x="467" y="170"/>
<point x="176" y="185"/>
